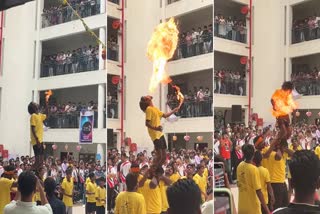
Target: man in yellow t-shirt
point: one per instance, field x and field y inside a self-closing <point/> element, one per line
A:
<point x="174" y="176"/>
<point x="101" y="197"/>
<point x="36" y="133"/>
<point x="153" y="122"/>
<point x="67" y="191"/>
<point x="201" y="181"/>
<point x="250" y="194"/>
<point x="130" y="202"/>
<point x="6" y="183"/>
<point x="91" y="188"/>
<point x="266" y="188"/>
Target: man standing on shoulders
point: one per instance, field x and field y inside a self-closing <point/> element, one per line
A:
<point x="305" y="172"/>
<point x="250" y="195"/>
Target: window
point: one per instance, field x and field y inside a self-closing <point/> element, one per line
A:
<point x="285" y="69"/>
<point x="285" y="25"/>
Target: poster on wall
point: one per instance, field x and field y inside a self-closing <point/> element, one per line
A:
<point x="86" y="127"/>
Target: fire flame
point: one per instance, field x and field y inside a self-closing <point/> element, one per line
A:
<point x="283" y="103"/>
<point x="161" y="48"/>
<point x="48" y="95"/>
<point x="180" y="96"/>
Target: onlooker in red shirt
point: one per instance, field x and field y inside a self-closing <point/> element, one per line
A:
<point x="225" y="147"/>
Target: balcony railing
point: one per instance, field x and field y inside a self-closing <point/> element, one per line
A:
<point x="191" y="108"/>
<point x="113" y="51"/>
<point x="114" y="1"/>
<point x="194" y="47"/>
<point x="234" y="33"/>
<point x="172" y="1"/>
<point x="113" y="110"/>
<point x="308" y="86"/>
<point x="67" y="120"/>
<point x="230" y="86"/>
<point x="305" y="33"/>
<point x="59" y="15"/>
<point x="52" y="67"/>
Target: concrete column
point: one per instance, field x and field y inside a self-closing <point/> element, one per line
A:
<point x="101" y="102"/>
<point x="102" y="36"/>
<point x="103" y="6"/>
<point x="101" y="153"/>
<point x="36" y="96"/>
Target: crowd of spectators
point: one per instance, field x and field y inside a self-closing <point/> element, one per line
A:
<point x="56" y="169"/>
<point x="229" y="142"/>
<point x="80" y="60"/>
<point x="67" y="115"/>
<point x="63" y="13"/>
<point x="180" y="164"/>
<point x="305" y="29"/>
<point x="197" y="103"/>
<point x="228" y="81"/>
<point x="194" y="42"/>
<point x="112" y="106"/>
<point x="112" y="48"/>
<point x="231" y="28"/>
<point x="306" y="80"/>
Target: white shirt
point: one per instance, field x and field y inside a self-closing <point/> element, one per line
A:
<point x="125" y="168"/>
<point x="207" y="207"/>
<point x="20" y="207"/>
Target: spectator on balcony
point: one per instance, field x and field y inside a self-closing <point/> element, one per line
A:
<point x="189" y="44"/>
<point x="75" y="62"/>
<point x="206" y="39"/>
<point x="68" y="62"/>
<point x="194" y="36"/>
<point x="229" y="28"/>
<point x="184" y="47"/>
<point x="90" y="52"/>
<point x="222" y="27"/>
<point x="216" y="24"/>
<point x="200" y="99"/>
<point x="210" y="36"/>
<point x="200" y="42"/>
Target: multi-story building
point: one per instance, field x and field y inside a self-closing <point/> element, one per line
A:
<point x="45" y="47"/>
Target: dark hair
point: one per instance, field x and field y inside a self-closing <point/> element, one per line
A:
<point x="49" y="186"/>
<point x="32" y="109"/>
<point x="69" y="171"/>
<point x="305" y="172"/>
<point x="27" y="183"/>
<point x="143" y="104"/>
<point x="160" y="170"/>
<point x="91" y="175"/>
<point x="131" y="181"/>
<point x="257" y="158"/>
<point x="287" y="85"/>
<point x="184" y="197"/>
<point x="248" y="151"/>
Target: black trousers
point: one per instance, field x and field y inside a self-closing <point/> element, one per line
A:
<point x="280" y="192"/>
<point x="111" y="198"/>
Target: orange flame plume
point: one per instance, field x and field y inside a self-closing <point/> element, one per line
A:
<point x="283" y="103"/>
<point x="180" y="96"/>
<point x="48" y="95"/>
<point x="161" y="48"/>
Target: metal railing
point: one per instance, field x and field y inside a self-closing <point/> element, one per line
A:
<point x="192" y="108"/>
<point x="113" y="110"/>
<point x="305" y="33"/>
<point x="234" y="33"/>
<point x="172" y="1"/>
<point x="112" y="51"/>
<point x="52" y="67"/>
<point x="230" y="86"/>
<point x="307" y="86"/>
<point x="194" y="47"/>
<point x="67" y="120"/>
<point x="114" y="1"/>
<point x="59" y="15"/>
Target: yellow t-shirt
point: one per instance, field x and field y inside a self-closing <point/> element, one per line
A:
<point x="291" y="148"/>
<point x="91" y="187"/>
<point x="130" y="203"/>
<point x="152" y="198"/>
<point x="206" y="172"/>
<point x="36" y="120"/>
<point x="101" y="195"/>
<point x="140" y="189"/>
<point x="68" y="189"/>
<point x="264" y="179"/>
<point x="278" y="168"/>
<point x="201" y="181"/>
<point x="265" y="161"/>
<point x="248" y="183"/>
<point x="164" y="200"/>
<point x="317" y="151"/>
<point x="154" y="116"/>
<point x="174" y="177"/>
<point x="5" y="186"/>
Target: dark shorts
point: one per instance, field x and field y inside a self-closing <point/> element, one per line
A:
<point x="283" y="120"/>
<point x="38" y="150"/>
<point x="280" y="192"/>
<point x="160" y="143"/>
<point x="101" y="210"/>
<point x="91" y="207"/>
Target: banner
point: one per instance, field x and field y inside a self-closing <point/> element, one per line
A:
<point x="86" y="127"/>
